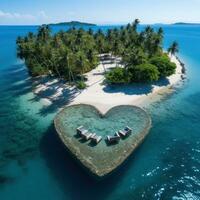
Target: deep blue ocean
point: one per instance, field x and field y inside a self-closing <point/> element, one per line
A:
<point x="35" y="165"/>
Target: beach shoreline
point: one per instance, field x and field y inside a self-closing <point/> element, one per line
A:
<point x="104" y="97"/>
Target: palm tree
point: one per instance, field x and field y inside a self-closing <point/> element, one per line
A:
<point x="30" y="36"/>
<point x="90" y="31"/>
<point x="134" y="56"/>
<point x="173" y="49"/>
<point x="135" y="24"/>
<point x="91" y="56"/>
<point x="82" y="63"/>
<point x="117" y="50"/>
<point x="160" y="33"/>
<point x="68" y="62"/>
<point x="156" y="46"/>
<point x="149" y="37"/>
<point x="99" y="33"/>
<point x="54" y="61"/>
<point x="148" y="30"/>
<point x="76" y="51"/>
<point x="100" y="45"/>
<point x="44" y="33"/>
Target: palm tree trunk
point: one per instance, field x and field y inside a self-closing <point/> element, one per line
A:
<point x="104" y="67"/>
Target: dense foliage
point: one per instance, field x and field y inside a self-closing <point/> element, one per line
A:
<point x="164" y="66"/>
<point x="117" y="76"/>
<point x="145" y="72"/>
<point x="74" y="52"/>
<point x="65" y="54"/>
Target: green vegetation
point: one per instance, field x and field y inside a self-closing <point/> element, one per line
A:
<point x="117" y="76"/>
<point x="70" y="54"/>
<point x="144" y="73"/>
<point x="65" y="55"/>
<point x="173" y="49"/>
<point x="72" y="23"/>
<point x="184" y="23"/>
<point x="81" y="85"/>
<point x="164" y="66"/>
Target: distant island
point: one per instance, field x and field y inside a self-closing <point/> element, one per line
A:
<point x="72" y="23"/>
<point x="184" y="23"/>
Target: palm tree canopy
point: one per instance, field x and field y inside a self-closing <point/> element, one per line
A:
<point x="73" y="52"/>
<point x="173" y="49"/>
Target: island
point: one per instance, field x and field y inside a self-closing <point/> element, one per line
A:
<point x="95" y="76"/>
<point x="188" y="24"/>
<point x="138" y="56"/>
<point x="72" y="23"/>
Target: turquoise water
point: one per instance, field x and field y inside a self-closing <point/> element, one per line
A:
<point x="87" y="116"/>
<point x="35" y="165"/>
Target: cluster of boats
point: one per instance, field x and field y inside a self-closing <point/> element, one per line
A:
<point x="86" y="135"/>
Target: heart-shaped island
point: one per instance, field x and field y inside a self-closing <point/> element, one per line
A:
<point x="102" y="158"/>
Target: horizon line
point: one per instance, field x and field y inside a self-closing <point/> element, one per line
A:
<point x="97" y="24"/>
<point x="106" y="24"/>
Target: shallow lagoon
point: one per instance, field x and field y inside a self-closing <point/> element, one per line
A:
<point x="97" y="158"/>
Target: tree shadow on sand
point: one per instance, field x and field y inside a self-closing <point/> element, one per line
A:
<point x="20" y="83"/>
<point x="135" y="89"/>
<point x="71" y="177"/>
<point x="65" y="98"/>
<point x="56" y="92"/>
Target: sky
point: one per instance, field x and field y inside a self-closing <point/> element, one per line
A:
<point x="31" y="12"/>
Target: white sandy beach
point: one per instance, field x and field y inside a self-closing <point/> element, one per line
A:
<point x="105" y="97"/>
